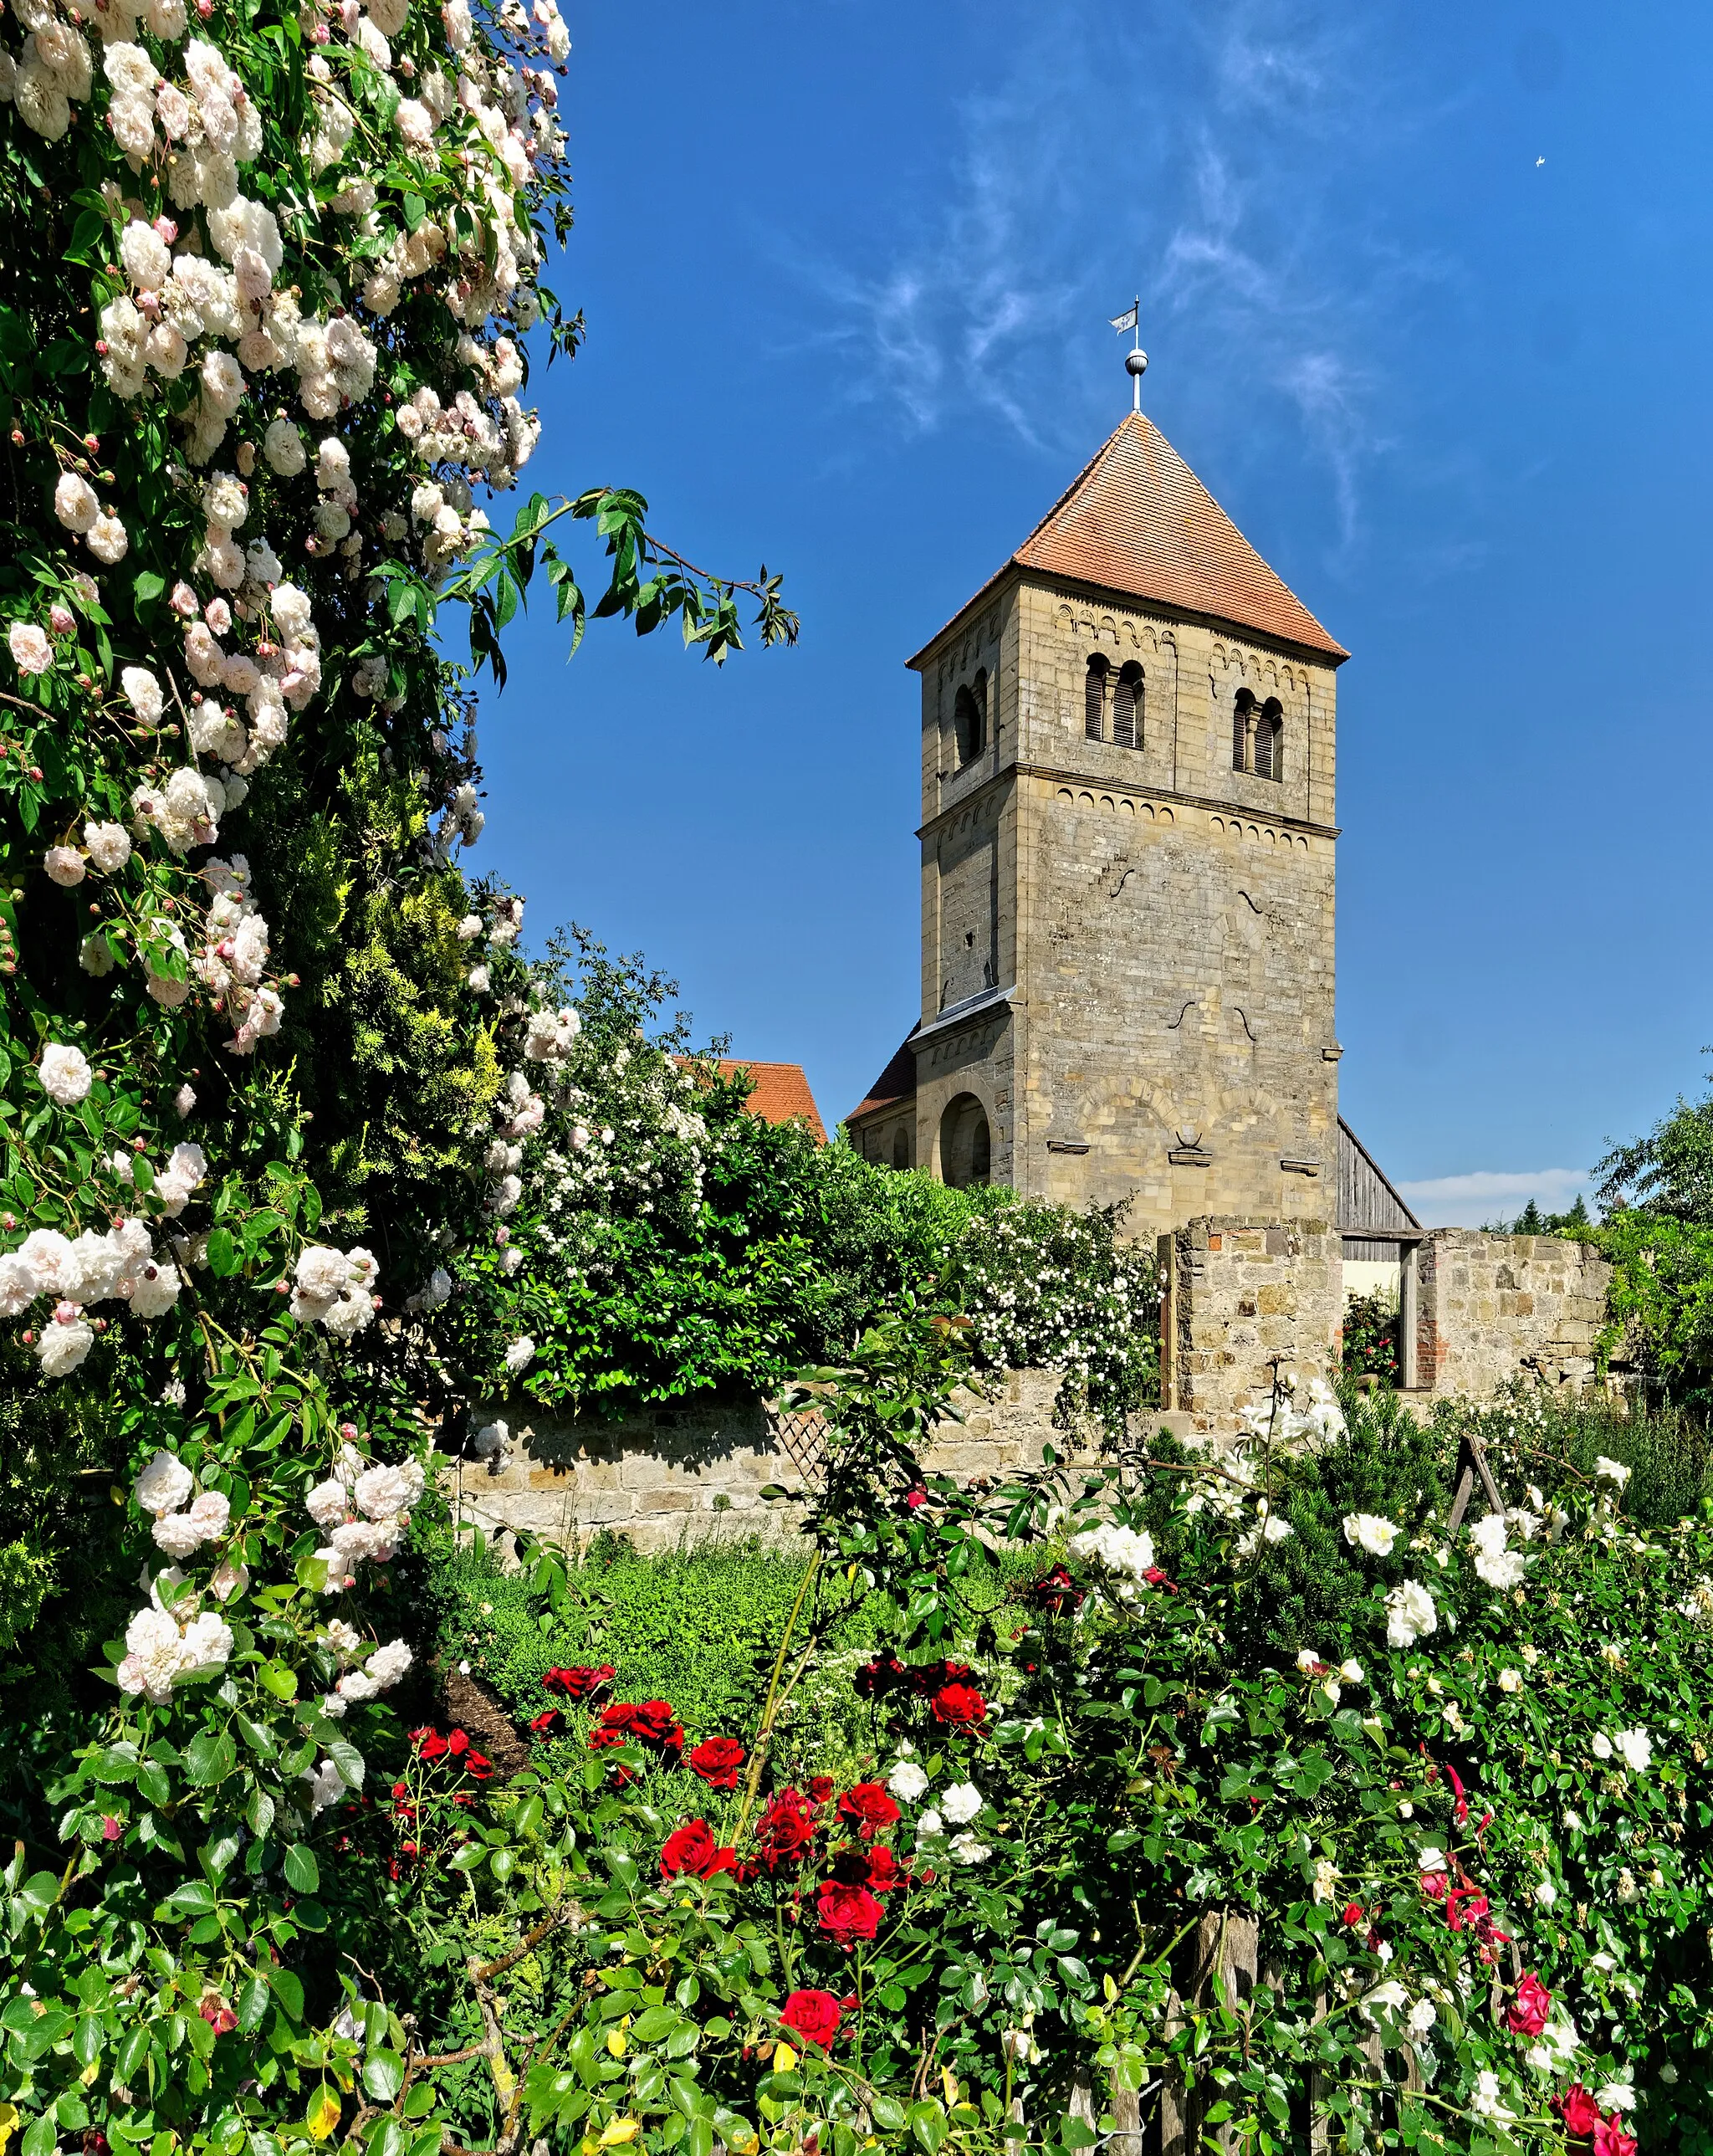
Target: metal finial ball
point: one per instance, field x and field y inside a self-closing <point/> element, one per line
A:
<point x="1135" y="363"/>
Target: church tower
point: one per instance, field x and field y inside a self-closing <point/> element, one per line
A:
<point x="1128" y="757"/>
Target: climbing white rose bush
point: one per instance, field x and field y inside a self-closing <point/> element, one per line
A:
<point x="271" y="293"/>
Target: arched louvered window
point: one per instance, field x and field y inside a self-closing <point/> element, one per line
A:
<point x="1243" y="716"/>
<point x="1269" y="740"/>
<point x="969" y="713"/>
<point x="1095" y="699"/>
<point x="1128" y="705"/>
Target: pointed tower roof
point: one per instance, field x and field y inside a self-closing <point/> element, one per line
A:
<point x="1137" y="519"/>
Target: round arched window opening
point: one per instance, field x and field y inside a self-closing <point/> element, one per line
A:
<point x="966" y="1144"/>
<point x="900" y="1148"/>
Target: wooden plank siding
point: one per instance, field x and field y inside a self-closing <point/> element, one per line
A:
<point x="1372" y="1220"/>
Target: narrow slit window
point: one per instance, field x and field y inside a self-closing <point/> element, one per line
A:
<point x="1127" y="706"/>
<point x="1095" y="699"/>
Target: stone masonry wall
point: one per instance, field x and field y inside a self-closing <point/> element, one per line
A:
<point x="1493" y="1308"/>
<point x="666" y="1473"/>
<point x="1241" y="1294"/>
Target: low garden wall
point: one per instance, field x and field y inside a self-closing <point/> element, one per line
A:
<point x="660" y="1474"/>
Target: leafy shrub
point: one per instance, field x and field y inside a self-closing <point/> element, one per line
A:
<point x="1371" y="1336"/>
<point x="657" y="1241"/>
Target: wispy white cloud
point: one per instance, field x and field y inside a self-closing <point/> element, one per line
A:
<point x="1482" y="1195"/>
<point x="1208" y="155"/>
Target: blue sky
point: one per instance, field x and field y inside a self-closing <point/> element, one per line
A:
<point x="847" y="271"/>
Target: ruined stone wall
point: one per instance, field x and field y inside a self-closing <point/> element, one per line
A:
<point x="1491" y="1308"/>
<point x="1241" y="1294"/>
<point x="664" y="1474"/>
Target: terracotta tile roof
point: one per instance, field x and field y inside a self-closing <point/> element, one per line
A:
<point x="1137" y="519"/>
<point x="780" y="1095"/>
<point x="896" y="1082"/>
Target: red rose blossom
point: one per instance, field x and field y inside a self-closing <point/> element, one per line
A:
<point x="218" y="2016"/>
<point x="1528" y="2012"/>
<point x="1610" y="2139"/>
<point x="717" y="1761"/>
<point x="868" y="1807"/>
<point x="543" y="1723"/>
<point x="1460" y="1810"/>
<point x="579" y="1683"/>
<point x="959" y="1707"/>
<point x="429" y="1742"/>
<point x="1577" y="2109"/>
<point x="652" y="1723"/>
<point x="1353" y="1913"/>
<point x="813" y="2016"/>
<point x="821" y="1788"/>
<point x="692" y="1848"/>
<point x="885" y="1673"/>
<point x="927" y="1677"/>
<point x="884" y="1871"/>
<point x="785" y="1830"/>
<point x="847" y="1912"/>
<point x="1055" y="1592"/>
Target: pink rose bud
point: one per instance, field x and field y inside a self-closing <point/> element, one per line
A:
<point x="166" y="231"/>
<point x="110" y="1828"/>
<point x="61" y="620"/>
<point x="502" y="1236"/>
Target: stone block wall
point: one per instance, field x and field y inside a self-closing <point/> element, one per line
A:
<point x="664" y="1474"/>
<point x="1491" y="1308"/>
<point x="1241" y="1296"/>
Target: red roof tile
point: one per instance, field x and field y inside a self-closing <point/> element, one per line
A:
<point x="1137" y="519"/>
<point x="780" y="1093"/>
<point x="896" y="1082"/>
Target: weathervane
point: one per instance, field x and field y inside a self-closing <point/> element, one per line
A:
<point x="1136" y="360"/>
